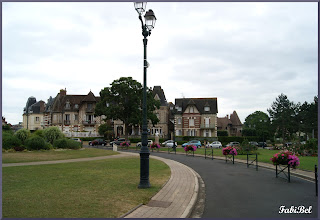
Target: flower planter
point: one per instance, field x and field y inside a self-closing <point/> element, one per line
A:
<point x="251" y="162"/>
<point x="282" y="169"/>
<point x="230" y="158"/>
<point x="190" y="149"/>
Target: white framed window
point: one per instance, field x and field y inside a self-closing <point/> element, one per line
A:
<point x="191" y="122"/>
<point x="207" y="108"/>
<point x="191" y="110"/>
<point x="76" y="106"/>
<point x="179" y="121"/>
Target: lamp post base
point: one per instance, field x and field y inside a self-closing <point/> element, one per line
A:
<point x="144" y="171"/>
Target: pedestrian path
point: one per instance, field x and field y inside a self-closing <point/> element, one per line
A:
<point x="64" y="161"/>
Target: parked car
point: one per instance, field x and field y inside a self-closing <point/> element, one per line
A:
<point x="233" y="144"/>
<point x="215" y="144"/>
<point x="97" y="142"/>
<point x="77" y="140"/>
<point x="119" y="141"/>
<point x="149" y="143"/>
<point x="262" y="144"/>
<point x="254" y="143"/>
<point x="169" y="143"/>
<point x="193" y="142"/>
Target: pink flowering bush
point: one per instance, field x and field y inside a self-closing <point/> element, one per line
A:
<point x="229" y="151"/>
<point x="285" y="158"/>
<point x="155" y="145"/>
<point x="124" y="144"/>
<point x="190" y="148"/>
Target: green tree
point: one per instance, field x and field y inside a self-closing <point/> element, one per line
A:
<point x="257" y="124"/>
<point x="307" y="118"/>
<point x="106" y="130"/>
<point x="23" y="134"/>
<point x="52" y="133"/>
<point x="123" y="101"/>
<point x="283" y="117"/>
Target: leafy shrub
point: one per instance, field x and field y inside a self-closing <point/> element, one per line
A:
<point x="51" y="134"/>
<point x="23" y="134"/>
<point x="10" y="141"/>
<point x="36" y="143"/>
<point x="246" y="147"/>
<point x="39" y="133"/>
<point x="66" y="144"/>
<point x="222" y="133"/>
<point x="72" y="144"/>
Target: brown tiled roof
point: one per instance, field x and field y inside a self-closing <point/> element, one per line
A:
<point x="200" y="103"/>
<point x="158" y="90"/>
<point x="60" y="101"/>
<point x="222" y="123"/>
<point x="235" y="118"/>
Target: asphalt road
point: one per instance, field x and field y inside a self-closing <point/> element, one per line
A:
<point x="235" y="191"/>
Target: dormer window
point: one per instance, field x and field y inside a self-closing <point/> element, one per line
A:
<point x="191" y="110"/>
<point x="67" y="105"/>
<point x="76" y="106"/>
<point x="207" y="108"/>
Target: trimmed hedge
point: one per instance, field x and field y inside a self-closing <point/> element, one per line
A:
<point x="66" y="144"/>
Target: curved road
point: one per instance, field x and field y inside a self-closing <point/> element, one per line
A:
<point x="235" y="191"/>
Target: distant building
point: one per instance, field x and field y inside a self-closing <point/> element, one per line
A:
<point x="196" y="117"/>
<point x="231" y="124"/>
<point x="72" y="114"/>
<point x="33" y="114"/>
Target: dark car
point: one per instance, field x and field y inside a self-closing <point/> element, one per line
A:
<point x="98" y="142"/>
<point x="262" y="144"/>
<point x="119" y="141"/>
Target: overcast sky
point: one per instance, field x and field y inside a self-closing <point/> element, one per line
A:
<point x="245" y="54"/>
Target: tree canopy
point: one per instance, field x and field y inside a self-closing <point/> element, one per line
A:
<point x="257" y="124"/>
<point x="123" y="101"/>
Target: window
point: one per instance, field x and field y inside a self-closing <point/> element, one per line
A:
<point x="67" y="117"/>
<point x="89" y="106"/>
<point x="67" y="105"/>
<point x="191" y="110"/>
<point x="76" y="117"/>
<point x="206" y="108"/>
<point x="179" y="121"/>
<point x="107" y="104"/>
<point x="191" y="122"/>
<point x="76" y="106"/>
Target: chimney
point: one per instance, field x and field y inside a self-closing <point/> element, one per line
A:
<point x="63" y="92"/>
<point x="42" y="106"/>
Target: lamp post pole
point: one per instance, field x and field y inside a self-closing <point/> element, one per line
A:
<point x="144" y="151"/>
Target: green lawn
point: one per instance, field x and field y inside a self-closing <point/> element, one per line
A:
<point x="264" y="155"/>
<point x="19" y="157"/>
<point x="95" y="189"/>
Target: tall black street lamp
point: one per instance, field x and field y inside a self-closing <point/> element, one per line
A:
<point x="150" y="20"/>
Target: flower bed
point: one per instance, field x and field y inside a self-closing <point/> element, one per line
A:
<point x="285" y="158"/>
<point x="124" y="144"/>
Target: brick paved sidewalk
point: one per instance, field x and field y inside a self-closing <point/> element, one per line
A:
<point x="176" y="199"/>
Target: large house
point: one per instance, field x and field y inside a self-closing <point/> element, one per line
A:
<point x="72" y="114"/>
<point x="230" y="124"/>
<point x="196" y="117"/>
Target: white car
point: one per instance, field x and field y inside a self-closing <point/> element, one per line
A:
<point x="149" y="143"/>
<point x="215" y="144"/>
<point x="168" y="143"/>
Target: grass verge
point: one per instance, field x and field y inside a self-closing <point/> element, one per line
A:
<point x="20" y="157"/>
<point x="95" y="189"/>
<point x="264" y="155"/>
